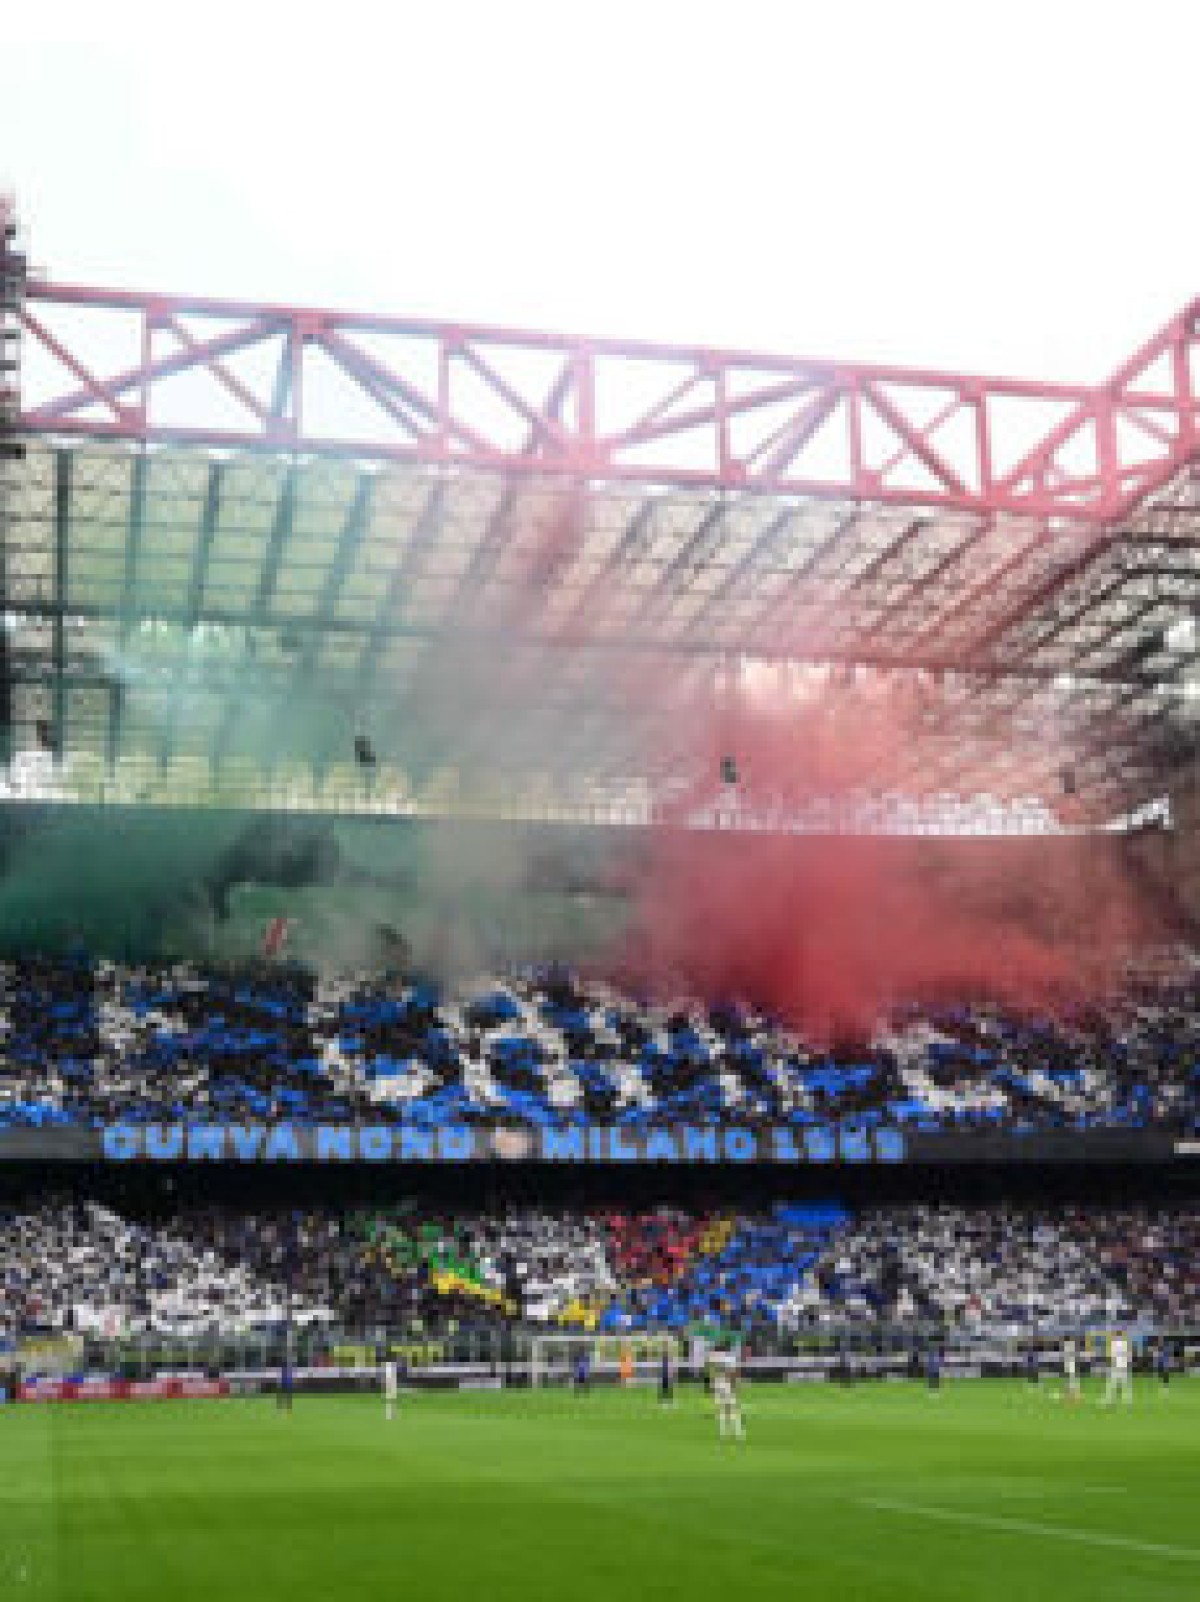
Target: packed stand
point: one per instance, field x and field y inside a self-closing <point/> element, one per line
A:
<point x="84" y="1043"/>
<point x="68" y="1267"/>
<point x="989" y="1268"/>
<point x="799" y="1269"/>
<point x="1152" y="1253"/>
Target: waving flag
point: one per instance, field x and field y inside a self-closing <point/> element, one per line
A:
<point x="275" y="936"/>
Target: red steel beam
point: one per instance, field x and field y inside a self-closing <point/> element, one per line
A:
<point x="684" y="416"/>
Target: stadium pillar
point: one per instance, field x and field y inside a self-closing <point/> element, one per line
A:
<point x="62" y="530"/>
<point x="12" y="286"/>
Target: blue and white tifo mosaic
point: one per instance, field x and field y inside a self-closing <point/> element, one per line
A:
<point x="378" y="1143"/>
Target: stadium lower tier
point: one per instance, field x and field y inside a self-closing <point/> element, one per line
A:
<point x="93" y="1043"/>
<point x="81" y="1267"/>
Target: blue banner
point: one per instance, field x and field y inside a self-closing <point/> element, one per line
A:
<point x="697" y="1144"/>
<point x="386" y="1143"/>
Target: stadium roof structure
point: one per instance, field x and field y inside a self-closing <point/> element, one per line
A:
<point x="240" y="535"/>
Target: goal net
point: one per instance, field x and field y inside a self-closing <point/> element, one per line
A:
<point x="554" y="1359"/>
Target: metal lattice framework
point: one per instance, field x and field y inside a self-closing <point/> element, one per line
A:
<point x="240" y="532"/>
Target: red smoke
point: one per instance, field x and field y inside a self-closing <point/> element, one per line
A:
<point x="826" y="930"/>
<point x="831" y="931"/>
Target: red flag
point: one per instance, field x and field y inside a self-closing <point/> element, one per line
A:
<point x="275" y="936"/>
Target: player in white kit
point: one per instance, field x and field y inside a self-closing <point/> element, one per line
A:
<point x="1120" y="1363"/>
<point x="1070" y="1356"/>
<point x="391" y="1389"/>
<point x="723" y="1378"/>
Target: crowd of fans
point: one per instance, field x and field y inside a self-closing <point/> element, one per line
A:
<point x="1155" y="1254"/>
<point x="82" y="1267"/>
<point x="796" y="1268"/>
<point x="999" y="1266"/>
<point x="89" y="1043"/>
<point x="93" y="1043"/>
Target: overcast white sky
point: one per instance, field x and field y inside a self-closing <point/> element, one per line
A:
<point x="1004" y="187"/>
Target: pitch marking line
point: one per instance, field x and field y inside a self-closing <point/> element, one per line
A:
<point x="1055" y="1532"/>
<point x="1047" y="1492"/>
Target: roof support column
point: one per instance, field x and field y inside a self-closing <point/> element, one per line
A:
<point x="133" y="550"/>
<point x="62" y="530"/>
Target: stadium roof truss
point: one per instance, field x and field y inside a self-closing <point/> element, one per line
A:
<point x="241" y="534"/>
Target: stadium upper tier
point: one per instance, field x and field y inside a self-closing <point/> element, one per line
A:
<point x="535" y="573"/>
<point x="800" y="1267"/>
<point x="97" y="1043"/>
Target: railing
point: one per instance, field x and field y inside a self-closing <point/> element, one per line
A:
<point x="848" y="1351"/>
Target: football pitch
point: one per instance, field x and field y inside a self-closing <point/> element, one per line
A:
<point x="986" y="1491"/>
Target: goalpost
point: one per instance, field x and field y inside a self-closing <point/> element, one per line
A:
<point x="553" y="1358"/>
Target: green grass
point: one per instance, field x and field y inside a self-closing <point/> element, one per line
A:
<point x="880" y="1492"/>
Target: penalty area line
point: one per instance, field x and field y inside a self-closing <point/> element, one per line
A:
<point x="1053" y="1532"/>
